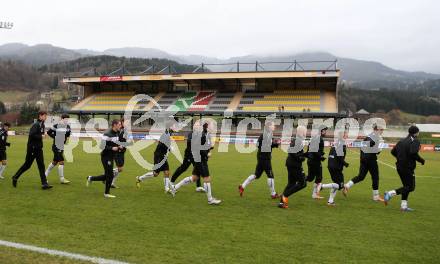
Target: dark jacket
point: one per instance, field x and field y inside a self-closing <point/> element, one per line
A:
<point x="406" y="152"/>
<point x="35" y="139"/>
<point x="4" y="139"/>
<point x="336" y="161"/>
<point x="296" y="155"/>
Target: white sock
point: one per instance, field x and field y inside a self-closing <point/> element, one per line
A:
<point x="147" y="175"/>
<point x="271" y="184"/>
<point x="61" y="172"/>
<point x="392" y="193"/>
<point x="115" y="175"/>
<point x="349" y="184"/>
<point x="2" y="169"/>
<point x="166" y="183"/>
<point x="248" y="180"/>
<point x="404" y="204"/>
<point x="375" y="193"/>
<point x="51" y="166"/>
<point x="333" y="192"/>
<point x="207" y="186"/>
<point x="330" y="186"/>
<point x="183" y="182"/>
<point x="315" y="189"/>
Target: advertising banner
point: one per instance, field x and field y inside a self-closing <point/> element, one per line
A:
<point x="110" y="78"/>
<point x="427" y="147"/>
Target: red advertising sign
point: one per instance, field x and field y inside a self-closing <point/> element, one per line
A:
<point x="426" y="147"/>
<point x="110" y="78"/>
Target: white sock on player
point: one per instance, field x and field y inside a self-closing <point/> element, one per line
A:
<point x="271" y="185"/>
<point x="330" y="186"/>
<point x="115" y="175"/>
<point x="349" y="184"/>
<point x="375" y="193"/>
<point x="248" y="180"/>
<point x="49" y="168"/>
<point x="315" y="189"/>
<point x="404" y="204"/>
<point x="61" y="172"/>
<point x="2" y="169"/>
<point x="147" y="175"/>
<point x="207" y="186"/>
<point x="332" y="196"/>
<point x="166" y="183"/>
<point x="184" y="182"/>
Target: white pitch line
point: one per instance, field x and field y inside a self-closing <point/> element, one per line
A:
<point x="386" y="164"/>
<point x="60" y="253"/>
<point x="393" y="167"/>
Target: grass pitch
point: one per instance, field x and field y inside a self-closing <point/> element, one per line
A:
<point x="147" y="226"/>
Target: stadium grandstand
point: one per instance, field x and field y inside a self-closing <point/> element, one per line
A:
<point x="289" y="89"/>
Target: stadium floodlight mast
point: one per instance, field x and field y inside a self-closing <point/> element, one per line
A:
<point x="6" y="25"/>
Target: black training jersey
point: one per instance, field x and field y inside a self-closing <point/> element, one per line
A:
<point x="370" y="148"/>
<point x="295" y="157"/>
<point x="36" y="132"/>
<point x="206" y="141"/>
<point x="122" y="135"/>
<point x="164" y="144"/>
<point x="188" y="152"/>
<point x="108" y="141"/>
<point x="4" y="139"/>
<point x="315" y="155"/>
<point x="336" y="161"/>
<point x="406" y="152"/>
<point x="59" y="130"/>
<point x="203" y="138"/>
<point x="265" y="144"/>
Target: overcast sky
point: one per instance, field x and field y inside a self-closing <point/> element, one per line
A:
<point x="402" y="34"/>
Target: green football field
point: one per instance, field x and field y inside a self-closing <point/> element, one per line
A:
<point x="148" y="226"/>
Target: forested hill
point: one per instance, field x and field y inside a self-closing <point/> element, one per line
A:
<point x="422" y="100"/>
<point x="104" y="64"/>
<point x="17" y="75"/>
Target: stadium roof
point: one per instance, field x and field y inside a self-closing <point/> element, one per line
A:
<point x="254" y="70"/>
<point x="202" y="76"/>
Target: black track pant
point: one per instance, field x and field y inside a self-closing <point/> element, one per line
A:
<point x="182" y="168"/>
<point x="365" y="167"/>
<point x="314" y="172"/>
<point x="31" y="155"/>
<point x="296" y="181"/>
<point x="408" y="180"/>
<point x="337" y="177"/>
<point x="107" y="177"/>
<point x="264" y="165"/>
